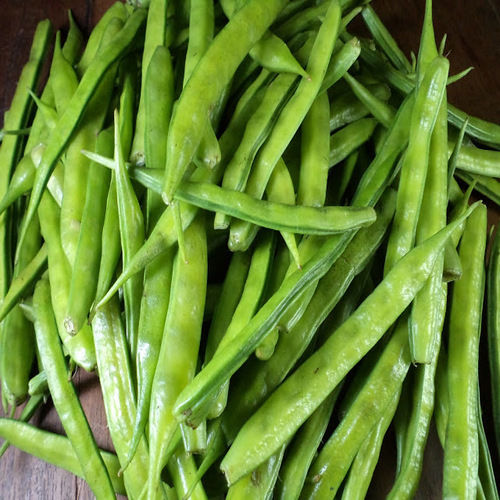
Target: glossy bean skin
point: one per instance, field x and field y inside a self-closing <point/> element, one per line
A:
<point x="182" y="468"/>
<point x="64" y="396"/>
<point x="412" y="178"/>
<point x="24" y="174"/>
<point x="193" y="106"/>
<point x="461" y="445"/>
<point x="485" y="185"/>
<point x="382" y="111"/>
<point x="372" y="185"/>
<point x="315" y="152"/>
<point x="164" y="234"/>
<point x="410" y="275"/>
<point x="347" y="140"/>
<point x="385" y="40"/>
<point x="63" y="78"/>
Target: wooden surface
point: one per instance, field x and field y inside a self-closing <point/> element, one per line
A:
<point x="473" y="40"/>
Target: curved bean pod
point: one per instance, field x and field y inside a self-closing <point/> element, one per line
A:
<point x="64" y="396"/>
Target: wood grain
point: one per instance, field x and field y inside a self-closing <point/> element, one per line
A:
<point x="473" y="40"/>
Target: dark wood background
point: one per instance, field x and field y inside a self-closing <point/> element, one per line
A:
<point x="473" y="30"/>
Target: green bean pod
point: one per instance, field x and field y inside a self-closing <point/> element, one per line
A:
<point x="290" y="218"/>
<point x="179" y="348"/>
<point x="378" y="174"/>
<point x="131" y="225"/>
<point x="63" y="78"/>
<point x="414" y="169"/>
<point x="421" y="410"/>
<point x="425" y="318"/>
<point x="474" y="160"/>
<point x="280" y="189"/>
<point x="193" y="106"/>
<point x="115" y="11"/>
<point x="232" y="289"/>
<point x="373" y="399"/>
<point x="363" y="465"/>
<point x="88" y="253"/>
<point x="24" y="174"/>
<point x="340" y="63"/>
<point x="485" y="185"/>
<point x="158" y="100"/>
<point x="81" y="346"/>
<point x="301" y="21"/>
<point x="383" y="112"/>
<point x="461" y="445"/>
<point x="347" y="108"/>
<point x="17" y="337"/>
<point x="486" y="474"/>
<point x="315" y="152"/>
<point x="118" y="393"/>
<point x="182" y="468"/>
<point x="153" y="310"/>
<point x="302" y="449"/>
<point x="260" y="482"/>
<point x="256" y="130"/>
<point x="385" y="40"/>
<point x="156" y="32"/>
<point x="74" y="41"/>
<point x="68" y="122"/>
<point x="55" y="449"/>
<point x="164" y="234"/>
<point x="270" y="51"/>
<point x="21" y="283"/>
<point x="29" y="409"/>
<point x="349" y="139"/>
<point x="111" y="246"/>
<point x="493" y="325"/>
<point x="14" y="119"/>
<point x="64" y="396"/>
<point x="349" y="343"/>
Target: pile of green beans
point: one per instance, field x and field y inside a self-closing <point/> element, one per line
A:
<point x="256" y="229"/>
